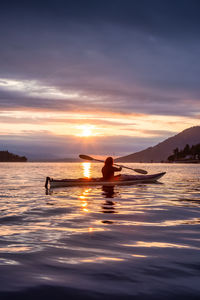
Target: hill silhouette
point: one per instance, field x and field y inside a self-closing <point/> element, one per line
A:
<point x="163" y="150"/>
<point x="6" y="156"/>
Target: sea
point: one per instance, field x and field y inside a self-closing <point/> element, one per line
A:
<point x="139" y="241"/>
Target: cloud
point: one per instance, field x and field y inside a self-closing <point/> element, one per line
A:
<point x="103" y="58"/>
<point x="153" y="132"/>
<point x="144" y="15"/>
<point x="45" y="144"/>
<point x="116" y="69"/>
<point x="137" y="100"/>
<point x="51" y="120"/>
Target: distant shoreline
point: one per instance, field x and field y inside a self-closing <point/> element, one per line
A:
<point x="187" y="162"/>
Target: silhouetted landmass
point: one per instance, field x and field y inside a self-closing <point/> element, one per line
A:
<point x="6" y="156"/>
<point x="163" y="150"/>
<point x="188" y="154"/>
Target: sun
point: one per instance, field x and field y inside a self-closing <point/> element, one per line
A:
<point x="86" y="130"/>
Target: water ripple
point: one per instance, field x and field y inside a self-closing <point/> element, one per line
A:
<point x="132" y="240"/>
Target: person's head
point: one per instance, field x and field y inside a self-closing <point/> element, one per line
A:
<point x="109" y="161"/>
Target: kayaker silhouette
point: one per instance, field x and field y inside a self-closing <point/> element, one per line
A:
<point x="108" y="170"/>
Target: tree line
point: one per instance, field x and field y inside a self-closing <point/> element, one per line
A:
<point x="192" y="152"/>
<point x="6" y="156"/>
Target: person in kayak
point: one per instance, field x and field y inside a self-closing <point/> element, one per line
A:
<point x="108" y="170"/>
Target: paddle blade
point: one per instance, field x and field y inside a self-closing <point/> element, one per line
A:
<point x="140" y="171"/>
<point x="85" y="157"/>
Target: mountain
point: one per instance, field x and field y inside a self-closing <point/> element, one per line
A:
<point x="161" y="151"/>
<point x="6" y="156"/>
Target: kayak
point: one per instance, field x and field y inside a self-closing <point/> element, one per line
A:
<point x="118" y="180"/>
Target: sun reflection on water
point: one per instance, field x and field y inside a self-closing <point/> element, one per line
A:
<point x="102" y="258"/>
<point x="83" y="198"/>
<point x="159" y="245"/>
<point x="86" y="166"/>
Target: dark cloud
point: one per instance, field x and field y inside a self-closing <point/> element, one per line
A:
<point x="155" y="16"/>
<point x="112" y="49"/>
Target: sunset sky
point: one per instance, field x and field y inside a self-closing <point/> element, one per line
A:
<point x="97" y="77"/>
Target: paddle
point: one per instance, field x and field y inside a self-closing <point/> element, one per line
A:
<point x="91" y="158"/>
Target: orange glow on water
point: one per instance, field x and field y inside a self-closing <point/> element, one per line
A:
<point x="83" y="198"/>
<point x="86" y="169"/>
<point x="158" y="245"/>
<point x="102" y="258"/>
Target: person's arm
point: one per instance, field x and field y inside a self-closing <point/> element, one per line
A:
<point x="117" y="169"/>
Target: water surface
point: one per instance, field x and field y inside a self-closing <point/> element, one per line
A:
<point x="138" y="242"/>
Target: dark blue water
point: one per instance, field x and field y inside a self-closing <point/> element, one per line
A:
<point x="130" y="242"/>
